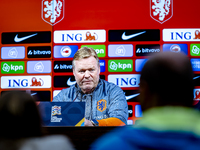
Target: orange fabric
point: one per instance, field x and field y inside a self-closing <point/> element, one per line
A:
<point x="111" y="122"/>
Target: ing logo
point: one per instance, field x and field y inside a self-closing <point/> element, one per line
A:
<point x="197" y="34"/>
<point x="90" y="37"/>
<point x="52" y="11"/>
<point x="36" y="82"/>
<point x="101" y="105"/>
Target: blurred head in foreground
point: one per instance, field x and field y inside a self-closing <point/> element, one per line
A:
<point x="166" y="80"/>
<point x="19" y="116"/>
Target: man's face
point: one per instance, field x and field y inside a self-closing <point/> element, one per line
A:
<point x="86" y="73"/>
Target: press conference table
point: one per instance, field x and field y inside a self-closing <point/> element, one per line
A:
<point x="81" y="137"/>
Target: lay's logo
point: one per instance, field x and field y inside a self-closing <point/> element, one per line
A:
<point x="101" y="105"/>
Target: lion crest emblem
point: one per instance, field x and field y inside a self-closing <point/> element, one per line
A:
<point x="161" y="10"/>
<point x="52" y="11"/>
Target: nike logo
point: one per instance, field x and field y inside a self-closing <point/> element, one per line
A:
<point x="69" y="82"/>
<point x="196" y="77"/>
<point x="127" y="37"/>
<point x="33" y="94"/>
<point x="131" y="96"/>
<point x="16" y="39"/>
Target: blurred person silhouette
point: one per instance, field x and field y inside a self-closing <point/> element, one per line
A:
<point x="166" y="98"/>
<point x="20" y="126"/>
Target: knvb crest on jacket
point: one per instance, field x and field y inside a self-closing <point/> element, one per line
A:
<point x="52" y="11"/>
<point x="161" y="10"/>
<point x="101" y="105"/>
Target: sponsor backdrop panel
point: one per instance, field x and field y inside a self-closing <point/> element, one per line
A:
<point x="38" y="40"/>
<point x="24" y="36"/>
<point x="28" y="82"/>
<point x="26" y="67"/>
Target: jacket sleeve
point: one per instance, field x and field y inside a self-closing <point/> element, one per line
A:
<point x="117" y="108"/>
<point x="111" y="122"/>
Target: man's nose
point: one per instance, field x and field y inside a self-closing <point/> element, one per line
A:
<point x="87" y="73"/>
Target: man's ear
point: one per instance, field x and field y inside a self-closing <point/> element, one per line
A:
<point x="99" y="69"/>
<point x="73" y="70"/>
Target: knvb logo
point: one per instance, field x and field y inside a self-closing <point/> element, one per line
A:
<point x="17" y="52"/>
<point x="176" y="48"/>
<point x="195" y="49"/>
<point x="8" y="82"/>
<point x="53" y="11"/>
<point x="65" y="51"/>
<point x="120" y="50"/>
<point x="131" y="80"/>
<point x="145" y="50"/>
<point x="100" y="49"/>
<point x="12" y="67"/>
<point x="120" y="65"/>
<point x="39" y="66"/>
<point x="161" y="10"/>
<point x="62" y="66"/>
<point x="79" y="36"/>
<point x="39" y="52"/>
<point x="181" y="35"/>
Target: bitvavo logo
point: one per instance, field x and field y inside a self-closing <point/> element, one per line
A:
<point x="12" y="67"/>
<point x="120" y="65"/>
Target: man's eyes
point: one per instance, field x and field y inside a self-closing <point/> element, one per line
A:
<point x="91" y="70"/>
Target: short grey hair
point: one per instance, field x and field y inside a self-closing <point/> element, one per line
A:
<point x="85" y="52"/>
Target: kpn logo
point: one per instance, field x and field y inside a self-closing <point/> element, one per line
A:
<point x="12" y="67"/>
<point x="100" y="49"/>
<point x="120" y="65"/>
<point x="195" y="49"/>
